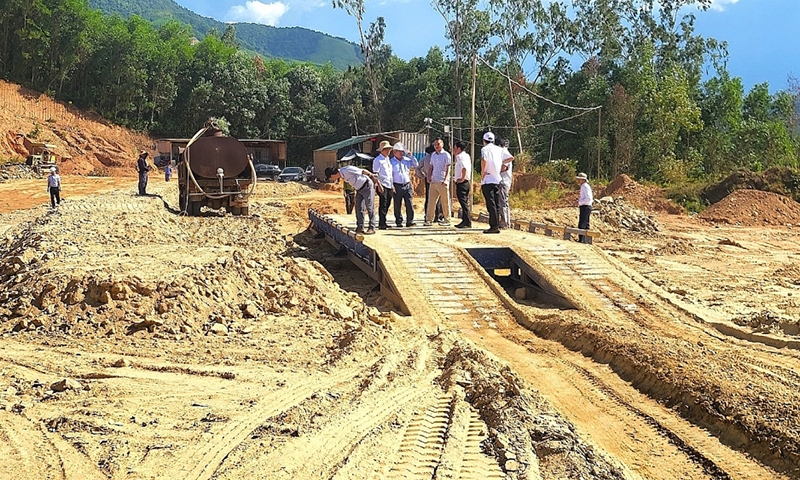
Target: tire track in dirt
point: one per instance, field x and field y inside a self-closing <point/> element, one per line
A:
<point x="200" y="462"/>
<point x="26" y="446"/>
<point x="321" y="454"/>
<point x="444" y="442"/>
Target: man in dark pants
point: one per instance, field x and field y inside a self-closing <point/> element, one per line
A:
<point x="492" y="159"/>
<point x="584" y="203"/>
<point x="401" y="178"/>
<point x="54" y="187"/>
<point x="382" y="168"/>
<point x="463" y="176"/>
<point x="143" y="168"/>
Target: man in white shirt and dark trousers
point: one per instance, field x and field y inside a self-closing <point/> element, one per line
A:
<point x="54" y="187"/>
<point x="584" y="203"/>
<point x="401" y="178"/>
<point x="463" y="176"/>
<point x="363" y="181"/>
<point x="492" y="159"/>
<point x="440" y="183"/>
<point x="382" y="168"/>
<point x="506" y="177"/>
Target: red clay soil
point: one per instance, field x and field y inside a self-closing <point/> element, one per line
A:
<point x="85" y="144"/>
<point x="752" y="208"/>
<point x="650" y="198"/>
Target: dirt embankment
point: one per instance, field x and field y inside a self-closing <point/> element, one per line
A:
<point x="85" y="144"/>
<point x="753" y="208"/>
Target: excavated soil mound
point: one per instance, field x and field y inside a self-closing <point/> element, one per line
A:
<point x="649" y="198"/>
<point x="620" y="185"/>
<point x="780" y="180"/>
<point x="123" y="265"/>
<point x="753" y="207"/>
<point x="528" y="181"/>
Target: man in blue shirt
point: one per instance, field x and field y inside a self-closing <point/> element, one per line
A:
<point x="401" y="179"/>
<point x="363" y="181"/>
<point x="382" y="168"/>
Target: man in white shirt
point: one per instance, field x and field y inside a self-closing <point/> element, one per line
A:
<point x="584" y="203"/>
<point x="401" y="178"/>
<point x="506" y="177"/>
<point x="463" y="176"/>
<point x="54" y="187"/>
<point x="382" y="168"/>
<point x="363" y="181"/>
<point x="439" y="175"/>
<point x="492" y="159"/>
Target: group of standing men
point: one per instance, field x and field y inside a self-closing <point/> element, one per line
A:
<point x="390" y="180"/>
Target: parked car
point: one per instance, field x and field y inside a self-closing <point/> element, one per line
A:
<point x="292" y="174"/>
<point x="267" y="171"/>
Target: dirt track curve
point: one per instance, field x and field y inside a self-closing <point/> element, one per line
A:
<point x="227" y="348"/>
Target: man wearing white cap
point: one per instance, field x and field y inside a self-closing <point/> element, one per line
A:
<point x="492" y="159"/>
<point x="54" y="187"/>
<point x="401" y="179"/>
<point x="382" y="168"/>
<point x="584" y="203"/>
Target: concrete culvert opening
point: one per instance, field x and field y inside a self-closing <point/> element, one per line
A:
<point x="523" y="282"/>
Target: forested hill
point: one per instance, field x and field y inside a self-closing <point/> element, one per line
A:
<point x="293" y="43"/>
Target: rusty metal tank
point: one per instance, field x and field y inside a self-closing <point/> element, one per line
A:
<point x="209" y="154"/>
<point x="215" y="171"/>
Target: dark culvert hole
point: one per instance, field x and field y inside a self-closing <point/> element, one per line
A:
<point x="523" y="283"/>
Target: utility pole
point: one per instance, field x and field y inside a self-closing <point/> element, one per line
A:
<point x="452" y="164"/>
<point x="472" y="126"/>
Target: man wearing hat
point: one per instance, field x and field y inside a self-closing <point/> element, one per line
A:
<point x="584" y="202"/>
<point x="401" y="179"/>
<point x="363" y="181"/>
<point x="492" y="159"/>
<point x="143" y="168"/>
<point x="382" y="168"/>
<point x="54" y="187"/>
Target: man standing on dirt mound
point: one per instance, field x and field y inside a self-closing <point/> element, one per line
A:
<point x="143" y="168"/>
<point x="584" y="202"/>
<point x="363" y="181"/>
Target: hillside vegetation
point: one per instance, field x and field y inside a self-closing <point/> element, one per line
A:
<point x="294" y="43"/>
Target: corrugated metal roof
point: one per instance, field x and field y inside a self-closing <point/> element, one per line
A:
<point x="358" y="139"/>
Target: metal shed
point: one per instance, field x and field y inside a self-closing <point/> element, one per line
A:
<point x="329" y="155"/>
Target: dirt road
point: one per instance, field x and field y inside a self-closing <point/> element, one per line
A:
<point x="226" y="347"/>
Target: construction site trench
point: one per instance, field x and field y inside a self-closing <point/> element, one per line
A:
<point x="139" y="343"/>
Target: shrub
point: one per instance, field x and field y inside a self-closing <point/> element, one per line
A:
<point x="534" y="199"/>
<point x="562" y="170"/>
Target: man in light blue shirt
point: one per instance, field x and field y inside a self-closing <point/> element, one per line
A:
<point x="401" y="178"/>
<point x="382" y="168"/>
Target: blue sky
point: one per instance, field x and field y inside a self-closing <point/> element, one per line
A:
<point x="763" y="38"/>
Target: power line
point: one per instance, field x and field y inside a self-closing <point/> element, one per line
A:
<point x="536" y="94"/>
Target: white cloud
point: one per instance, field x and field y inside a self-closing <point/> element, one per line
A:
<point x="719" y="5"/>
<point x="258" y="12"/>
